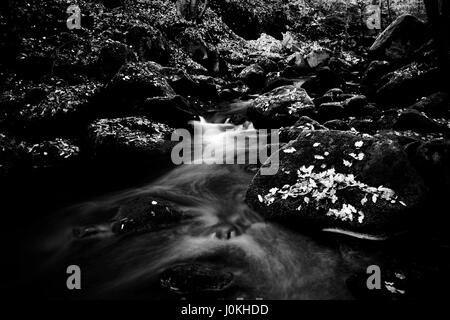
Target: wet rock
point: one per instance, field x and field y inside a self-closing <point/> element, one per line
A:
<point x="344" y="180"/>
<point x="282" y="106"/>
<point x="174" y="110"/>
<point x="411" y="119"/>
<point x="135" y="82"/>
<point x="403" y="86"/>
<point x="195" y="278"/>
<point x="253" y="76"/>
<point x="330" y="110"/>
<point x="143" y="214"/>
<point x="337" y="125"/>
<point x="436" y="104"/>
<point x="131" y="139"/>
<point x="399" y="41"/>
<point x="287" y="134"/>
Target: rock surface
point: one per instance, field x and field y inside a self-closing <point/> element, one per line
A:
<point x="334" y="179"/>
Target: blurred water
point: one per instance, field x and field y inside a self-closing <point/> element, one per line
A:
<point x="268" y="261"/>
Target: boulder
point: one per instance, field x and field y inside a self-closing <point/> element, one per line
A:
<point x="337" y="125"/>
<point x="113" y="55"/>
<point x="282" y="106"/>
<point x="340" y="180"/>
<point x="403" y="86"/>
<point x="436" y="104"/>
<point x="149" y="43"/>
<point x="287" y="134"/>
<point x="253" y="76"/>
<point x="354" y="106"/>
<point x="411" y="119"/>
<point x="130" y="139"/>
<point x="330" y="111"/>
<point x="174" y="110"/>
<point x="317" y="57"/>
<point x="375" y="71"/>
<point x="400" y="39"/>
<point x="135" y="82"/>
<point x="51" y="110"/>
<point x="52" y="154"/>
<point x="324" y="80"/>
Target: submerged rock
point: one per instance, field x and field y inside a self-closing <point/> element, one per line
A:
<point x="144" y="213"/>
<point x="195" y="278"/>
<point x="335" y="179"/>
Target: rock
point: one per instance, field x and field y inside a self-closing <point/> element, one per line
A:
<point x="332" y="95"/>
<point x="297" y="61"/>
<point x="195" y="278"/>
<point x="282" y="106"/>
<point x="266" y="44"/>
<point x="363" y="125"/>
<point x="149" y="43"/>
<point x="113" y="55"/>
<point x="191" y="9"/>
<point x="267" y="64"/>
<point x="60" y="110"/>
<point x="432" y="160"/>
<point x="277" y="82"/>
<point x="387" y="119"/>
<point x="330" y="111"/>
<point x="317" y="57"/>
<point x="375" y="71"/>
<point x="144" y="213"/>
<point x="411" y="119"/>
<point x="405" y="85"/>
<point x="239" y="17"/>
<point x="174" y="110"/>
<point x="324" y="80"/>
<point x="130" y="139"/>
<point x="135" y="82"/>
<point x="52" y="153"/>
<point x="436" y="104"/>
<point x="337" y="125"/>
<point x="253" y="76"/>
<point x="400" y="39"/>
<point x="289" y="72"/>
<point x="12" y="156"/>
<point x="287" y="134"/>
<point x="354" y="106"/>
<point x="344" y="180"/>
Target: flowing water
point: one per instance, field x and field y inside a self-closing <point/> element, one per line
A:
<point x="268" y="261"/>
